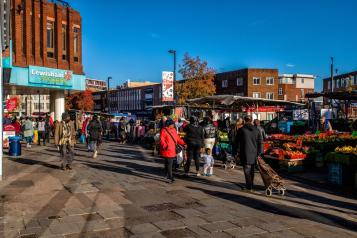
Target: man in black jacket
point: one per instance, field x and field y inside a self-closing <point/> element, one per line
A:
<point x="250" y="146"/>
<point x="95" y="131"/>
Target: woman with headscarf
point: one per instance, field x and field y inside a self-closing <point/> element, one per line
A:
<point x="194" y="140"/>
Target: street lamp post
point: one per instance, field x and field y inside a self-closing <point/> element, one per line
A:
<point x="39" y="104"/>
<point x="174" y="54"/>
<point x="108" y="81"/>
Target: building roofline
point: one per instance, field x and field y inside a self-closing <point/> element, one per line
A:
<point x="341" y="75"/>
<point x="245" y="69"/>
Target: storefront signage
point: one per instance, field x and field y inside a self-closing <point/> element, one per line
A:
<point x="47" y="76"/>
<point x="167" y="86"/>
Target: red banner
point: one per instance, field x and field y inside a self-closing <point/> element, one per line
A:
<point x="11" y="104"/>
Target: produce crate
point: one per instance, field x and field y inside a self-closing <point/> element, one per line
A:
<point x="295" y="165"/>
<point x="335" y="173"/>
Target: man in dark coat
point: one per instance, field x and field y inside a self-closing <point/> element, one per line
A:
<point x="250" y="146"/>
<point x="95" y="131"/>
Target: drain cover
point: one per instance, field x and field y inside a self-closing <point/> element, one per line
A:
<point x="161" y="207"/>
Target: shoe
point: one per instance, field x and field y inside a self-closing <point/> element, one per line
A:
<point x="198" y="174"/>
<point x="69" y="167"/>
<point x="185" y="175"/>
<point x="95" y="155"/>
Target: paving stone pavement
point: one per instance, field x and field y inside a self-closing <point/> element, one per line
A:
<point x="123" y="193"/>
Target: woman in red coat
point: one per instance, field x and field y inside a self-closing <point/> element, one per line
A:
<point x="168" y="140"/>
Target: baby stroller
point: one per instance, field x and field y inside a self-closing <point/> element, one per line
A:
<point x="270" y="178"/>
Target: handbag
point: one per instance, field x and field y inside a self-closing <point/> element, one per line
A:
<point x="177" y="146"/>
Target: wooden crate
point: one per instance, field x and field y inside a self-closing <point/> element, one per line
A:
<point x="295" y="165"/>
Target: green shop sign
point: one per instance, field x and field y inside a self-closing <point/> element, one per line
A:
<point x="51" y="77"/>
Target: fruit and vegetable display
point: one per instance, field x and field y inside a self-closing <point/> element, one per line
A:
<point x="346" y="150"/>
<point x="223" y="136"/>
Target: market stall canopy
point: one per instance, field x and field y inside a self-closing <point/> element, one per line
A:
<point x="236" y="101"/>
<point x="351" y="96"/>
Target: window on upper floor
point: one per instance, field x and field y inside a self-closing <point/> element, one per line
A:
<point x="270" y="81"/>
<point x="256" y="95"/>
<point x="302" y="80"/>
<point x="224" y="83"/>
<point x="50" y="39"/>
<point x="280" y="91"/>
<point x="269" y="95"/>
<point x="64" y="41"/>
<point x="239" y="81"/>
<point x="256" y="81"/>
<point x="76" y="39"/>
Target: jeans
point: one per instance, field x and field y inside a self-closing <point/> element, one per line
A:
<point x="93" y="146"/>
<point x="67" y="154"/>
<point x="193" y="152"/>
<point x="249" y="175"/>
<point x="168" y="167"/>
<point x="41" y="135"/>
<point x="28" y="139"/>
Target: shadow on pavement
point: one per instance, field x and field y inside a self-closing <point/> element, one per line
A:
<point x="283" y="209"/>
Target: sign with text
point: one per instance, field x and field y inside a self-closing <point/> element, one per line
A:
<point x="167" y="86"/>
<point x="11" y="104"/>
<point x="51" y="77"/>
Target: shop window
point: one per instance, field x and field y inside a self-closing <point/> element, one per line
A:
<point x="64" y="41"/>
<point x="76" y="43"/>
<point x="256" y="81"/>
<point x="270" y="116"/>
<point x="270" y="80"/>
<point x="50" y="39"/>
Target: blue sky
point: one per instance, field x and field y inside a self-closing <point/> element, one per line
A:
<point x="129" y="39"/>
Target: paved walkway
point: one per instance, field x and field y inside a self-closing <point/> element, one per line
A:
<point x="123" y="194"/>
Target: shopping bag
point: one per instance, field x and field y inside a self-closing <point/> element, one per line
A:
<point x="179" y="157"/>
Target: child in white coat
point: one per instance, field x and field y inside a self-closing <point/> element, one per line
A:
<point x="209" y="161"/>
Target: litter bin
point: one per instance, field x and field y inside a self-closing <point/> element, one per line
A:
<point x="14" y="146"/>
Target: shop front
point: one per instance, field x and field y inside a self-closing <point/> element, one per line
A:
<point x="35" y="80"/>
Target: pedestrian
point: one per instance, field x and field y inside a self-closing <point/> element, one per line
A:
<point x="250" y="146"/>
<point x="209" y="162"/>
<point x="47" y="130"/>
<point x="141" y="132"/>
<point x="122" y="131"/>
<point x="95" y="130"/>
<point x="260" y="128"/>
<point x="107" y="128"/>
<point x="41" y="131"/>
<point x="233" y="136"/>
<point x="65" y="139"/>
<point x="194" y="140"/>
<point x="28" y="131"/>
<point x="325" y="125"/>
<point x="168" y="141"/>
<point x="17" y="126"/>
<point x="210" y="133"/>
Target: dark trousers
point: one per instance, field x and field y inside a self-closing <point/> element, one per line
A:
<point x="168" y="167"/>
<point x="249" y="175"/>
<point x="193" y="152"/>
<point x="67" y="154"/>
<point x="41" y="135"/>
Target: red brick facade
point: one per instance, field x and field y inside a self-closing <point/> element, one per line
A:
<point x="245" y="82"/>
<point x="342" y="82"/>
<point x="292" y="93"/>
<point x="30" y="19"/>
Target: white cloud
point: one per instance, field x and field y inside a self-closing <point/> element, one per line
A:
<point x="290" y="65"/>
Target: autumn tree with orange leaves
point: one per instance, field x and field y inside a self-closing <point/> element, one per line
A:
<point x="80" y="101"/>
<point x="198" y="79"/>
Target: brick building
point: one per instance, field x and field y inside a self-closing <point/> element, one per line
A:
<point x="46" y="34"/>
<point x="45" y="53"/>
<point x="96" y="85"/>
<point x="258" y="83"/>
<point x="133" y="100"/>
<point x="342" y="82"/>
<point x="294" y="87"/>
